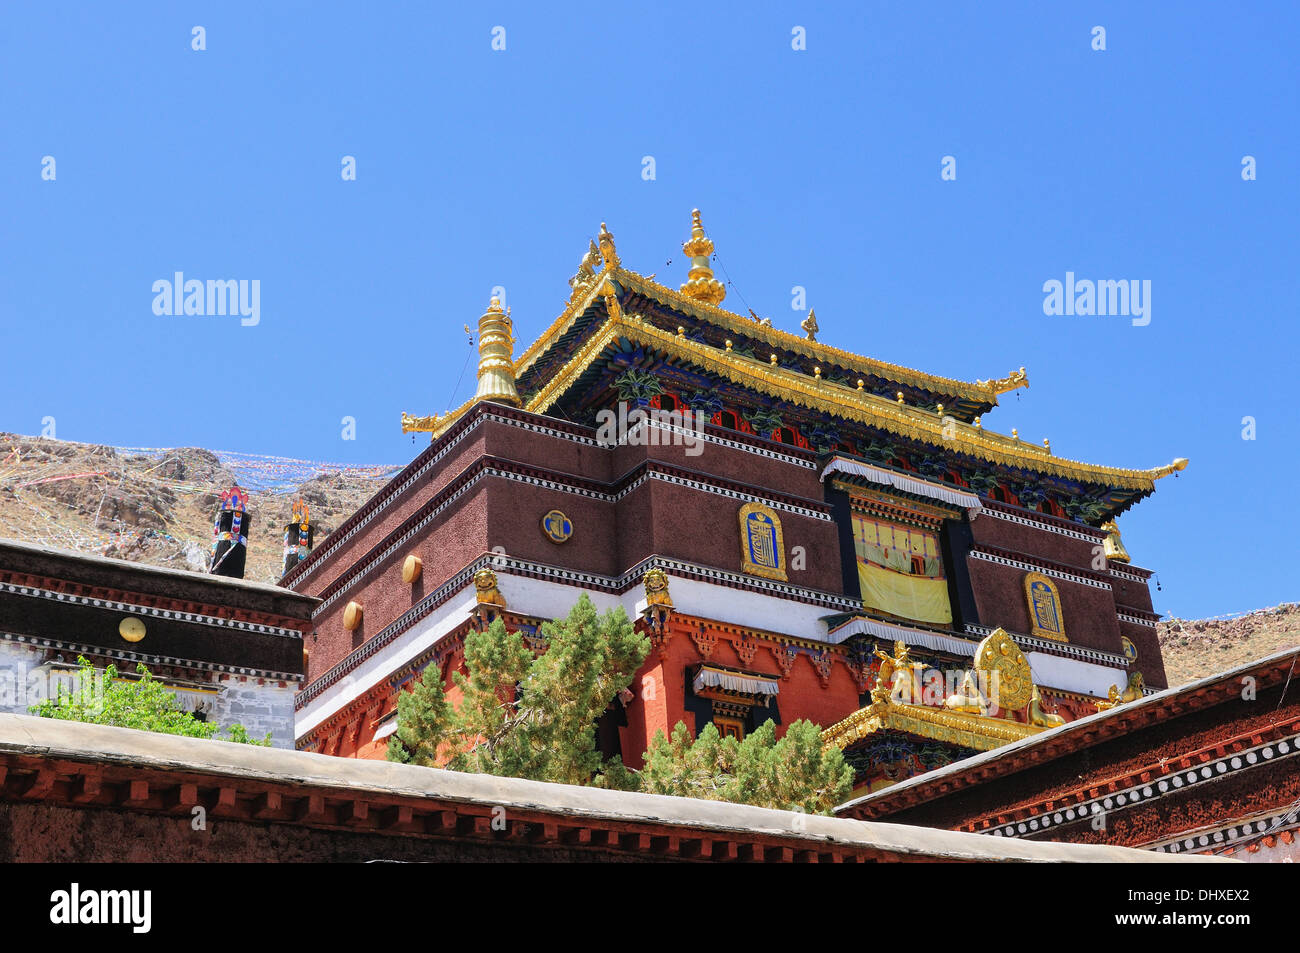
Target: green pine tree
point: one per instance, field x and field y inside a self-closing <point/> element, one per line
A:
<point x="144" y="703"/>
<point x="524" y="714"/>
<point x="795" y="773"/>
<point x="533" y="715"/>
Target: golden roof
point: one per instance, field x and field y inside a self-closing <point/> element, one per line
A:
<point x="980" y="391"/>
<point x="814" y="392"/>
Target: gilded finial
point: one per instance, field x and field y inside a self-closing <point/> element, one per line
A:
<point x="496" y="368"/>
<point x="809" y="324"/>
<point x="700" y="284"/>
<point x="681" y="331"/>
<point x="1015" y="433"/>
<point x="900" y="398"/>
<point x="939" y="410"/>
<point x="861" y="384"/>
<point x="729" y="344"/>
<point x="607" y="252"/>
<point x="772" y="360"/>
<point x="817" y="373"/>
<point x="1047" y="445"/>
<point x="1114" y="545"/>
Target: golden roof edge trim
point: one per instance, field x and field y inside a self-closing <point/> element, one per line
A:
<point x="818" y="350"/>
<point x="869" y="409"/>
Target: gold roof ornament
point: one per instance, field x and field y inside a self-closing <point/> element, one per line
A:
<point x="1002" y="385"/>
<point x="607" y="251"/>
<point x="701" y="285"/>
<point x="586" y="274"/>
<point x="496" y="371"/>
<point x="1114" y="546"/>
<point x="963" y="719"/>
<point x="809" y="324"/>
<point x="1133" y="691"/>
<point x="967" y="698"/>
<point x="496" y="366"/>
<point x="1039" y="716"/>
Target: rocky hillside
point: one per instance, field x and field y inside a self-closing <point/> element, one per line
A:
<point x="157" y="506"/>
<point x="1193" y="649"/>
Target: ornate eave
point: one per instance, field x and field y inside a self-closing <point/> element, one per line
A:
<point x="825" y="397"/>
<point x="979" y="396"/>
<point x="977" y="732"/>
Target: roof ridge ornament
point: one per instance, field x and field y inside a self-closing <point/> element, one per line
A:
<point x="809" y="324"/>
<point x="701" y="285"/>
<point x="607" y="250"/>
<point x="1002" y="385"/>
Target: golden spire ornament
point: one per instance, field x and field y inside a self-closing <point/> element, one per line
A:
<point x="1114" y="546"/>
<point x="496" y="366"/>
<point x="701" y="286"/>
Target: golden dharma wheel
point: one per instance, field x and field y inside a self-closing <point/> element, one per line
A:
<point x="1010" y="678"/>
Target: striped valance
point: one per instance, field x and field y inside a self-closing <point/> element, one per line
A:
<point x="899" y="481"/>
<point x="730" y="681"/>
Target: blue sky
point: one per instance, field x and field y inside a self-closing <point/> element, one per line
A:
<point x="818" y="167"/>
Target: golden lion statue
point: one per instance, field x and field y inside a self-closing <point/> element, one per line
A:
<point x="485" y="589"/>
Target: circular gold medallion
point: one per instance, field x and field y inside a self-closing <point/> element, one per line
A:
<point x="557" y="526"/>
<point x="1130" y="650"/>
<point x="352" y="616"/>
<point x="131" y="628"/>
<point x="411" y="569"/>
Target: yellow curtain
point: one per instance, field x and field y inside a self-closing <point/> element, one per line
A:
<point x="911" y="597"/>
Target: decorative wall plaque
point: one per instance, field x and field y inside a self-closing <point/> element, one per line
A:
<point x="762" y="547"/>
<point x="557" y="527"/>
<point x="1044" y="607"/>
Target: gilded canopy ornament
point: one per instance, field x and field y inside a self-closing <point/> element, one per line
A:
<point x="701" y="285"/>
<point x="1114" y="545"/>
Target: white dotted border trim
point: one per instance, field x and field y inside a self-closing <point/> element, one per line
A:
<point x="150" y="611"/>
<point x="1136" y="621"/>
<point x="1140" y="793"/>
<point x="1043" y="525"/>
<point x="722" y="491"/>
<point x="1060" y="648"/>
<point x="1125" y="574"/>
<point x="82" y="649"/>
<point x="1046" y="571"/>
